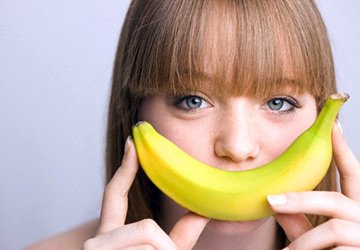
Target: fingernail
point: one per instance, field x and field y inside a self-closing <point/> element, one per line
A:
<point x="277" y="199"/>
<point x="127" y="144"/>
<point x="339" y="126"/>
<point x="286" y="248"/>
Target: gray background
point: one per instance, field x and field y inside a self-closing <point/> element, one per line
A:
<point x="55" y="69"/>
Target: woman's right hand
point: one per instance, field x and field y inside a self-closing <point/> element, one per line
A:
<point x="113" y="233"/>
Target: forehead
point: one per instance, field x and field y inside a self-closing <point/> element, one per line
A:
<point x="244" y="47"/>
<point x="235" y="57"/>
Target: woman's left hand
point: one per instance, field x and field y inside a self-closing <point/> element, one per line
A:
<point x="342" y="230"/>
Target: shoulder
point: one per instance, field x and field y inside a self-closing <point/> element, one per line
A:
<point x="72" y="239"/>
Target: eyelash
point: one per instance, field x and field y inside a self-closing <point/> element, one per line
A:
<point x="290" y="100"/>
<point x="178" y="100"/>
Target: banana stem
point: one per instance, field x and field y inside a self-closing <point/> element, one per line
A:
<point x="325" y="120"/>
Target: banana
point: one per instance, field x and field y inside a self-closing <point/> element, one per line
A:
<point x="238" y="195"/>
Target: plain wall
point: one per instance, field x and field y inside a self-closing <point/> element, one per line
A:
<point x="56" y="62"/>
<point x="55" y="70"/>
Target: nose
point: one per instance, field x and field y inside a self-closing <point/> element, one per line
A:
<point x="237" y="139"/>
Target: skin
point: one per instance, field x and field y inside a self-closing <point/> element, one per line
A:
<point x="185" y="230"/>
<point x="219" y="125"/>
<point x="236" y="133"/>
<point x="342" y="231"/>
<point x="233" y="133"/>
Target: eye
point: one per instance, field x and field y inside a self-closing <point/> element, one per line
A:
<point x="282" y="104"/>
<point x="191" y="102"/>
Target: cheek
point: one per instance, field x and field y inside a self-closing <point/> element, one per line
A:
<point x="282" y="136"/>
<point x="189" y="136"/>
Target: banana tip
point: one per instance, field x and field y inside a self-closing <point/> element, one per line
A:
<point x="137" y="124"/>
<point x="340" y="95"/>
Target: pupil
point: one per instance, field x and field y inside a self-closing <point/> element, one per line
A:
<point x="276" y="104"/>
<point x="194" y="102"/>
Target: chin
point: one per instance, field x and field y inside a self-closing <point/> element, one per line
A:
<point x="228" y="228"/>
<point x="235" y="227"/>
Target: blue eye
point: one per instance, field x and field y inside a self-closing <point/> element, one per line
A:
<point x="281" y="104"/>
<point x="191" y="102"/>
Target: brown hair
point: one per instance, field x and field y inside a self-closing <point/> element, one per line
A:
<point x="251" y="46"/>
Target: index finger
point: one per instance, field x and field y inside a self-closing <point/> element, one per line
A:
<point x="187" y="230"/>
<point x="115" y="200"/>
<point x="347" y="164"/>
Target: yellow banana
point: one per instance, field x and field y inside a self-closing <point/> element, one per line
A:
<point x="238" y="195"/>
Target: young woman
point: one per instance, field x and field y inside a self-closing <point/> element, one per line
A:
<point x="233" y="83"/>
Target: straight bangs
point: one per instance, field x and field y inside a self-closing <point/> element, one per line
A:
<point x="254" y="47"/>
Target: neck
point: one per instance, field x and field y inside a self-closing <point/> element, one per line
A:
<point x="262" y="237"/>
<point x="225" y="235"/>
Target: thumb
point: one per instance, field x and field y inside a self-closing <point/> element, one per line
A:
<point x="187" y="230"/>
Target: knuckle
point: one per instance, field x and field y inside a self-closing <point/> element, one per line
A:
<point x="147" y="247"/>
<point x="334" y="198"/>
<point x="89" y="244"/>
<point x="108" y="188"/>
<point x="337" y="196"/>
<point x="112" y="189"/>
<point x="148" y="227"/>
<point x="335" y="226"/>
<point x="340" y="248"/>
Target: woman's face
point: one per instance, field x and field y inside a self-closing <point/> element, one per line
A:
<point x="231" y="133"/>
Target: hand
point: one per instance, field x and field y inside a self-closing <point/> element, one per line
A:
<point x="145" y="234"/>
<point x="342" y="230"/>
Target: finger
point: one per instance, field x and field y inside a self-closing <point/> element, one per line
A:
<point x="140" y="247"/>
<point x="347" y="164"/>
<point x="331" y="204"/>
<point x="345" y="248"/>
<point x="142" y="233"/>
<point x="334" y="232"/>
<point x="187" y="230"/>
<point x="293" y="225"/>
<point x="115" y="201"/>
